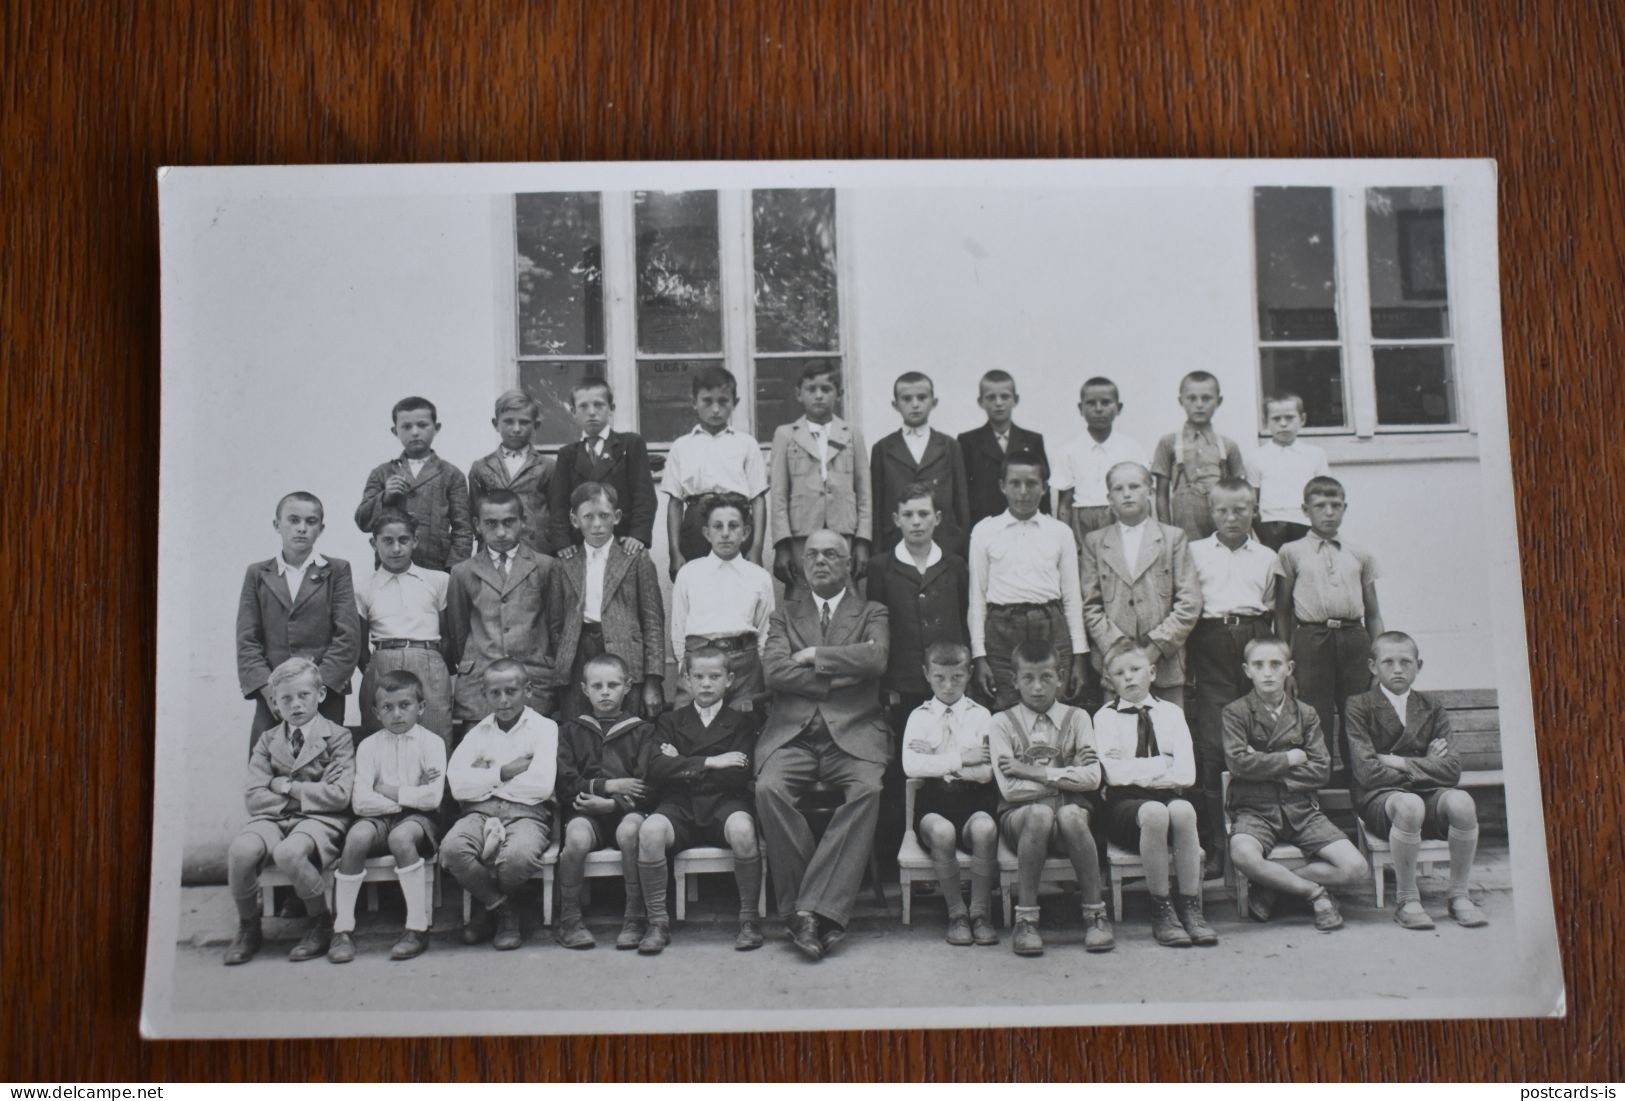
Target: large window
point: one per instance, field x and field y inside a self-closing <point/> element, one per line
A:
<point x="1354" y="307"/>
<point x="647" y="288"/>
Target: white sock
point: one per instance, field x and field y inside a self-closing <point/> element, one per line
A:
<point x="345" y="890"/>
<point x="412" y="883"/>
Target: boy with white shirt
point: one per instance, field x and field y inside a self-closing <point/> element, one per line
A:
<point x="400" y="778"/>
<point x="723" y="599"/>
<point x="502" y="776"/>
<point x="1280" y="468"/>
<point x="918" y="454"/>
<point x="403" y="608"/>
<point x="712" y="458"/>
<point x="818" y="477"/>
<point x="423" y="484"/>
<point x="516" y="464"/>
<point x="1024" y="586"/>
<point x="945" y="746"/>
<point x="1080" y="471"/>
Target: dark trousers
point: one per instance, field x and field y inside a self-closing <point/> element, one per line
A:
<point x="1215" y="656"/>
<point x="1331" y="664"/>
<point x="823" y="876"/>
<point x="572" y="700"/>
<point x="331" y="708"/>
<point x="1008" y="626"/>
<point x="1276" y="534"/>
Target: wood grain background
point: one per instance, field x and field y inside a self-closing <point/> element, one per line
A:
<point x="97" y="95"/>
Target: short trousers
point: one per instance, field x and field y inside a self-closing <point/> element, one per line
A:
<point x="1434" y="827"/>
<point x="1011" y="819"/>
<point x="689" y="833"/>
<point x="1123" y="816"/>
<point x="329" y="839"/>
<point x="604" y="827"/>
<point x="381" y="827"/>
<point x="1300" y="823"/>
<point x="957" y="802"/>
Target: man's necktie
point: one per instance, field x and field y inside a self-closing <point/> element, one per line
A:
<point x="823" y="622"/>
<point x="1146" y="744"/>
<point x="502" y="564"/>
<point x="1004" y="442"/>
<point x="296" y="738"/>
<point x="595" y="448"/>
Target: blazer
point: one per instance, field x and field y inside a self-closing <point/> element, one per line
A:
<point x="683" y="779"/>
<point x="921" y="609"/>
<point x="533" y="483"/>
<point x="626" y="467"/>
<point x="589" y="755"/>
<point x="487" y="619"/>
<point x="1158" y="597"/>
<point x="437" y="499"/>
<point x="942" y="467"/>
<point x="632" y="616"/>
<point x="312" y="795"/>
<point x="801" y="501"/>
<point x="983" y="458"/>
<point x="1374" y="728"/>
<point x="322" y="625"/>
<point x="858" y="645"/>
<point x="1255" y="748"/>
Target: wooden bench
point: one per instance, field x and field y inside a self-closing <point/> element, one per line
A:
<point x="709" y="860"/>
<point x="550" y="862"/>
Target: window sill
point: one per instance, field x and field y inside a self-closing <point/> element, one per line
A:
<point x="1395" y="447"/>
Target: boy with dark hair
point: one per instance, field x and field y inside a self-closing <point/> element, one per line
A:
<point x="712" y="458"/>
<point x="619" y="460"/>
<point x="1080" y="472"/>
<point x="423" y="484"/>
<point x="516" y="464"/>
<point x="819" y="476"/>
<point x="403" y="612"/>
<point x="915" y="455"/>
<point x="984" y="449"/>
<point x="724" y="599"/>
<point x="1187" y="463"/>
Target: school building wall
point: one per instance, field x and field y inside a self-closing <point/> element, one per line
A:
<point x="311" y="316"/>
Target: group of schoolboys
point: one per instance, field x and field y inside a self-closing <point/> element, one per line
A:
<point x="468" y="650"/>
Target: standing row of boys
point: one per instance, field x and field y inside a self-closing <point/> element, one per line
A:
<point x="558" y="612"/>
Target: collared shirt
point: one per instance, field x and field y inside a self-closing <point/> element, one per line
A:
<point x="715" y="598"/>
<point x="699" y="462"/>
<point x="401" y="761"/>
<point x="592" y="587"/>
<point x="497" y="558"/>
<point x="1327" y="578"/>
<point x="1054" y="741"/>
<point x="1002" y="439"/>
<point x="831" y="603"/>
<point x="916" y="439"/>
<point x="1117" y="738"/>
<point x="707" y="714"/>
<point x="403" y="605"/>
<point x="514" y="461"/>
<point x="1132" y="536"/>
<point x="820" y="435"/>
<point x="295" y="575"/>
<point x="952" y="731"/>
<point x="597" y="445"/>
<point x="1280" y="473"/>
<point x="416" y="465"/>
<point x="1032" y="561"/>
<point x="532" y="734"/>
<point x="1235" y="582"/>
<point x="1398" y="703"/>
<point x="1085" y="462"/>
<point x="903" y="555"/>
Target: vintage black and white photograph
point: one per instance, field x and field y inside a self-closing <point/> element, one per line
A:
<point x="707" y="597"/>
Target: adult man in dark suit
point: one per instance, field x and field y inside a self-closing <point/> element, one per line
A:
<point x="825" y="656"/>
<point x="984" y="448"/>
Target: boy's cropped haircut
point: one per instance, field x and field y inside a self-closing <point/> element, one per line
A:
<point x="1021" y="458"/>
<point x="592" y="491"/>
<point x="995" y="377"/>
<point x="292" y="669"/>
<point x="713" y="501"/>
<point x="1100" y="380"/>
<point x="399" y="680"/>
<point x="1232" y="484"/>
<point x="301" y="495"/>
<point x="385" y="519"/>
<point x="1281" y="399"/>
<point x="412" y="404"/>
<point x="818" y="368"/>
<point x="1397" y="638"/>
<point x="594" y="383"/>
<point x="715" y="378"/>
<point x="505" y="665"/>
<point x="1034" y="651"/>
<point x="1265" y="640"/>
<point x="699" y="653"/>
<point x="605" y="660"/>
<point x="1131" y="464"/>
<point x="517" y="401"/>
<point x="913" y="378"/>
<point x="953" y="654"/>
<point x="1322" y="486"/>
<point x="913" y="492"/>
<point x="501" y="497"/>
<point x="1198" y="377"/>
<point x="1121" y="648"/>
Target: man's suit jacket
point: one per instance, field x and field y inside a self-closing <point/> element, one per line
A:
<point x="857" y="645"/>
<point x="632" y="615"/>
<point x="488" y="618"/>
<point x="322" y="625"/>
<point x="625" y="466"/>
<point x="1374" y="728"/>
<point x="1158" y="597"/>
<point x="801" y="501"/>
<point x="312" y="794"/>
<point x="683" y="779"/>
<point x="922" y="609"/>
<point x="437" y="499"/>
<point x="983" y="458"/>
<point x="942" y="467"/>
<point x="532" y="484"/>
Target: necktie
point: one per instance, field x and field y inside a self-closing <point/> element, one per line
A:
<point x="595" y="448"/>
<point x="823" y="620"/>
<point x="296" y="738"/>
<point x="1146" y="745"/>
<point x="502" y="564"/>
<point x="1004" y="442"/>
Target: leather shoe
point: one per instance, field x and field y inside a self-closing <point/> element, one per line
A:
<point x="246" y="943"/>
<point x="292" y="908"/>
<point x="315" y="941"/>
<point x="508" y="936"/>
<point x="831" y="936"/>
<point x="803" y="929"/>
<point x="750" y="935"/>
<point x="1410" y="915"/>
<point x="1327" y="916"/>
<point x="572" y="932"/>
<point x="959" y="933"/>
<point x="1261" y="903"/>
<point x="655" y="940"/>
<point x="477" y="929"/>
<point x="1097" y="929"/>
<point x="631" y="934"/>
<point x="1466" y="914"/>
<point x="1024" y="937"/>
<point x="981" y="929"/>
<point x="342" y="950"/>
<point x="413" y="943"/>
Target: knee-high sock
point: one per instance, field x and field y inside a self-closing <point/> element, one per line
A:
<point x="748" y="875"/>
<point x="652" y="875"/>
<point x="634" y="885"/>
<point x="414" y="882"/>
<point x="1463" y="847"/>
<point x="570" y="875"/>
<point x="1406" y="846"/>
<point x="345" y="890"/>
<point x="983" y="871"/>
<point x="1154" y="855"/>
<point x="948" y="878"/>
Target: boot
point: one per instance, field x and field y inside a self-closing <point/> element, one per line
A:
<point x="572" y="932"/>
<point x="1097" y="929"/>
<point x="1189" y="909"/>
<point x="750" y="934"/>
<point x="477" y="930"/>
<point x="1165" y="924"/>
<point x="315" y="941"/>
<point x="246" y="943"/>
<point x="656" y="939"/>
<point x="1024" y="938"/>
<point x="508" y="936"/>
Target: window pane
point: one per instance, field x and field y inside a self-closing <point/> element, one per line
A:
<point x="560" y="274"/>
<point x="1405" y="245"/>
<point x="1414" y="385"/>
<point x="1297" y="280"/>
<point x="1314" y="374"/>
<point x="549" y="382"/>
<point x="793" y="235"/>
<point x="776" y="381"/>
<point x="679" y="306"/>
<point x="666" y="397"/>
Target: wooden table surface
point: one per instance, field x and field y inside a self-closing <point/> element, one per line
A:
<point x="97" y="95"/>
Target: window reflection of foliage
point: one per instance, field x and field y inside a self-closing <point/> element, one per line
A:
<point x="679" y="281"/>
<point x="560" y="274"/>
<point x="795" y="292"/>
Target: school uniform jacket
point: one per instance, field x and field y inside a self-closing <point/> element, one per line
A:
<point x="533" y="484"/>
<point x="683" y="779"/>
<point x="437" y="499"/>
<point x="1255" y="748"/>
<point x="488" y="618"/>
<point x="922" y="609"/>
<point x="942" y="467"/>
<point x="321" y="624"/>
<point x="632" y="616"/>
<point x="983" y="458"/>
<point x="1159" y="596"/>
<point x="801" y="500"/>
<point x="312" y="794"/>
<point x="857" y="645"/>
<point x="591" y="753"/>
<point x="1373" y="728"/>
<point x="625" y="466"/>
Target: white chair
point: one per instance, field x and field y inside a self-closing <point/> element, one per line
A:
<point x="272" y="877"/>
<point x="381" y="869"/>
<point x="1380" y="855"/>
<point x="913" y="862"/>
<point x="1123" y="866"/>
<point x="708" y="860"/>
<point x="1057" y="869"/>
